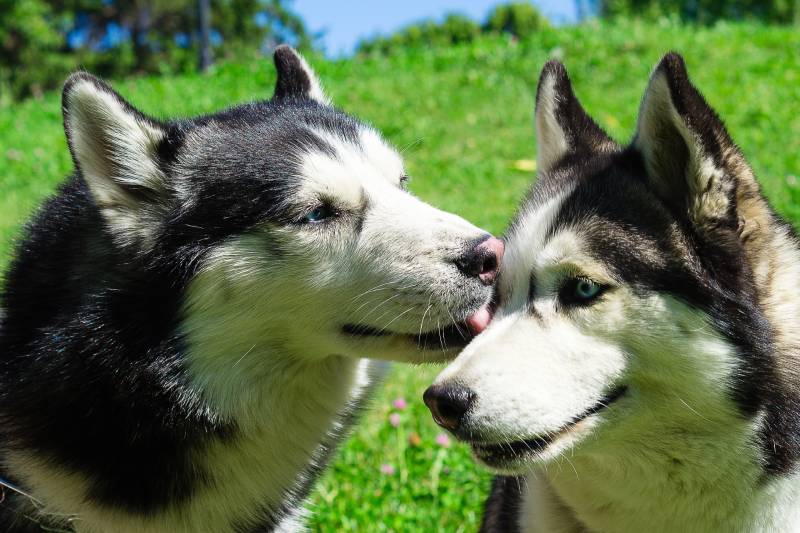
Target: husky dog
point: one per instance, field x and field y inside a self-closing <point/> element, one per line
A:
<point x="641" y="372"/>
<point x="186" y="320"/>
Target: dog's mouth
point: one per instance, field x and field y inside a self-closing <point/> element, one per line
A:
<point x="506" y="455"/>
<point x="454" y="335"/>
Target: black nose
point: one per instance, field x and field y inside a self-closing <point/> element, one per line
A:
<point x="448" y="404"/>
<point x="483" y="260"/>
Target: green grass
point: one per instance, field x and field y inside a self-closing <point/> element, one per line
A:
<point x="463" y="117"/>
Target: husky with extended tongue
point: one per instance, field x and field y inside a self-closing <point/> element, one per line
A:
<point x="642" y="371"/>
<point x="186" y="320"/>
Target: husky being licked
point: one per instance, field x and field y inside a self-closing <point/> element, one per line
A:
<point x="642" y="372"/>
<point x="186" y="319"/>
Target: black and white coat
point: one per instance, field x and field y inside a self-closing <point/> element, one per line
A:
<point x="186" y="319"/>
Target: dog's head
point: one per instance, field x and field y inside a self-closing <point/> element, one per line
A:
<point x="628" y="316"/>
<point x="287" y="221"/>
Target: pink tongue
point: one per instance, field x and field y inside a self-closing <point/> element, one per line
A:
<point x="478" y="320"/>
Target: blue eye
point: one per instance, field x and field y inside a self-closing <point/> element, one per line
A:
<point x="580" y="291"/>
<point x="319" y="214"/>
<point x="586" y="289"/>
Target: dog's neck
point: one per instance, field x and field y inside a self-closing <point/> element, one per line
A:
<point x="289" y="414"/>
<point x="658" y="492"/>
<point x="288" y="411"/>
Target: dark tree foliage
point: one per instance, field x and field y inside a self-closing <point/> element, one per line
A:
<point x="706" y="11"/>
<point x="518" y="19"/>
<point x="42" y="40"/>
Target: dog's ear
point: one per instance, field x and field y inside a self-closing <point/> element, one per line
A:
<point x="115" y="148"/>
<point x="295" y="77"/>
<point x="690" y="160"/>
<point x="563" y="127"/>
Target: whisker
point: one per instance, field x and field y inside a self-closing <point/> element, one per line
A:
<point x="398" y="316"/>
<point x="360" y="307"/>
<point x="14" y="488"/>
<point x="245" y="355"/>
<point x="373" y="289"/>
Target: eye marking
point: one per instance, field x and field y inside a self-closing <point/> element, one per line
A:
<point x="404" y="179"/>
<point x="581" y="291"/>
<point x="319" y="214"/>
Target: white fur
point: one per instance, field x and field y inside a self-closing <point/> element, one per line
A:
<point x="316" y="93"/>
<point x="673" y="454"/>
<point x="115" y="151"/>
<point x="551" y="139"/>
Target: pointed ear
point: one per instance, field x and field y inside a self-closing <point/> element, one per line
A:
<point x="295" y="77"/>
<point x="115" y="149"/>
<point x="562" y="126"/>
<point x="690" y="159"/>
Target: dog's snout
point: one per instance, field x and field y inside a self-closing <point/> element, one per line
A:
<point x="483" y="260"/>
<point x="448" y="404"/>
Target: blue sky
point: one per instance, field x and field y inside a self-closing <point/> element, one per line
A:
<point x="345" y="22"/>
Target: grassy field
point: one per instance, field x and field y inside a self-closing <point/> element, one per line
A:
<point x="463" y="117"/>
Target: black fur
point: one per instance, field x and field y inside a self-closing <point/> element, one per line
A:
<point x="92" y="377"/>
<point x="501" y="511"/>
<point x="630" y="218"/>
<point x="293" y="81"/>
<point x="583" y="133"/>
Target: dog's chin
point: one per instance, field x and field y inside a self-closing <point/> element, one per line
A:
<point x="513" y="456"/>
<point x="448" y="338"/>
<point x="451" y="337"/>
<point x="520" y="456"/>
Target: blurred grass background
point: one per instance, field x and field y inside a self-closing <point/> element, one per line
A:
<point x="462" y="115"/>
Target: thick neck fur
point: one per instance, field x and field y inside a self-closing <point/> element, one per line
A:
<point x="289" y="413"/>
<point x="656" y="491"/>
<point x="687" y="472"/>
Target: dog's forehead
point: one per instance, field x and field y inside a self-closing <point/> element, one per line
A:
<point x="364" y="156"/>
<point x="274" y="141"/>
<point x="606" y="219"/>
<point x="350" y="171"/>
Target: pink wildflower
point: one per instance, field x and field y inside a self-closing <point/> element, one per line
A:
<point x="394" y="419"/>
<point x="387" y="469"/>
<point x="400" y="404"/>
<point x="443" y="440"/>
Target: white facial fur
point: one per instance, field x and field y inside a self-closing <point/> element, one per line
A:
<point x="264" y="315"/>
<point x="539" y="364"/>
<point x="293" y="287"/>
<point x="677" y="451"/>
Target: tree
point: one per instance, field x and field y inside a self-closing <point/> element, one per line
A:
<point x="520" y="19"/>
<point x="706" y="11"/>
<point x="204" y="10"/>
<point x="42" y="40"/>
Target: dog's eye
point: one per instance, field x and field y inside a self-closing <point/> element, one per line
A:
<point x="318" y="214"/>
<point x="404" y="181"/>
<point x="580" y="291"/>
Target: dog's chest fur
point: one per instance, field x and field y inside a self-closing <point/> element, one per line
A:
<point x="255" y="480"/>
